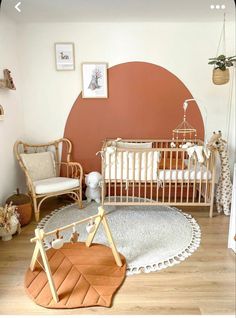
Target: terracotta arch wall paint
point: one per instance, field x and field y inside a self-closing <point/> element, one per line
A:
<point x="145" y="101"/>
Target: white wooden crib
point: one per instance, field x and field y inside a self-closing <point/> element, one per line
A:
<point x="156" y="172"/>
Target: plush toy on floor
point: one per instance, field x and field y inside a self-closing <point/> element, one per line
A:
<point x="224" y="186"/>
<point x="93" y="190"/>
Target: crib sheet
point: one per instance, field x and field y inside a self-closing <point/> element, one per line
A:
<point x="201" y="173"/>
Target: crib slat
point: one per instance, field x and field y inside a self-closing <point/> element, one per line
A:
<point x="116" y="154"/>
<point x="109" y="183"/>
<point x="200" y="184"/>
<point x="152" y="162"/>
<point x="157" y="183"/>
<point x="176" y="172"/>
<point x="145" y="177"/>
<point x="170" y="181"/>
<point x="133" y="169"/>
<point x="182" y="179"/>
<point x="139" y="175"/>
<point x="164" y="176"/>
<point x="121" y="177"/>
<point x="127" y="177"/>
<point x="194" y="182"/>
<point x="157" y="190"/>
<point x="189" y="171"/>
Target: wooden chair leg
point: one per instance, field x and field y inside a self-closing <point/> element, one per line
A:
<point x="36" y="210"/>
<point x="37" y="216"/>
<point x="80" y="199"/>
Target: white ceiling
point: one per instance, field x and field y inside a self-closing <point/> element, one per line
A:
<point x="118" y="10"/>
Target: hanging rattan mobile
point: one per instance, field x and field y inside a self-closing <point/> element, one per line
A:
<point x="184" y="131"/>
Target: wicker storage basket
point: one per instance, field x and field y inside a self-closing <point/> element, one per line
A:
<point x="24" y="207"/>
<point x="220" y="77"/>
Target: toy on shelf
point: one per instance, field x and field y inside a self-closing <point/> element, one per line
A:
<point x="7" y="81"/>
<point x="57" y="243"/>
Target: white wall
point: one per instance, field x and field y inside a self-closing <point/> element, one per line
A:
<point x="182" y="48"/>
<point x="12" y="127"/>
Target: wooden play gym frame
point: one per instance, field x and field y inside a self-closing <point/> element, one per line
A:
<point x="39" y="247"/>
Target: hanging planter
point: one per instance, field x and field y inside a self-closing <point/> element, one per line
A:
<point x="220" y="77"/>
<point x="221" y="64"/>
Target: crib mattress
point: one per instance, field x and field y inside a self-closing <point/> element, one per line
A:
<point x="200" y="173"/>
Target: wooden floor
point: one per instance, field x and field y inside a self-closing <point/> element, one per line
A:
<point x="202" y="284"/>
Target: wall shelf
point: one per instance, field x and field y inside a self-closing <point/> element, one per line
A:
<point x="7" y="81"/>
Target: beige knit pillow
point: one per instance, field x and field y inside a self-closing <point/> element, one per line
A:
<point x="40" y="165"/>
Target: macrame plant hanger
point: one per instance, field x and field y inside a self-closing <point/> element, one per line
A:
<point x="229" y="106"/>
<point x="220" y="76"/>
<point x="231" y="86"/>
<point x="222" y="42"/>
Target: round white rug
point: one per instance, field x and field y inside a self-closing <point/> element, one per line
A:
<point x="150" y="237"/>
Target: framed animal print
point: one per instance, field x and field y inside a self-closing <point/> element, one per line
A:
<point x="94" y="80"/>
<point x="65" y="57"/>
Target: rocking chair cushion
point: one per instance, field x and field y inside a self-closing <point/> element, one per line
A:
<point x="57" y="184"/>
<point x="39" y="165"/>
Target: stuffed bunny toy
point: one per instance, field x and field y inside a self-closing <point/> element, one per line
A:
<point x="93" y="190"/>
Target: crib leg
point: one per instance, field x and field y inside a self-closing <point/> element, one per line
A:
<point x="103" y="185"/>
<point x="211" y="209"/>
<point x="212" y="198"/>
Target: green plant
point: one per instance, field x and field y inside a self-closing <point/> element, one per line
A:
<point x="222" y="62"/>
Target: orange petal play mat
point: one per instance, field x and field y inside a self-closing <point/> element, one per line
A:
<point x="83" y="277"/>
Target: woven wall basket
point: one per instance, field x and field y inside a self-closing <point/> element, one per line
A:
<point x="220" y="77"/>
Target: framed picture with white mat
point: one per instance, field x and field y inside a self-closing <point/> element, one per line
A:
<point x="94" y="80"/>
<point x="65" y="56"/>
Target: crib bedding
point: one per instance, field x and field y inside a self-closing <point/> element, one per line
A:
<point x="137" y="168"/>
<point x="185" y="174"/>
<point x="130" y="165"/>
<point x="200" y="173"/>
<point x="149" y="166"/>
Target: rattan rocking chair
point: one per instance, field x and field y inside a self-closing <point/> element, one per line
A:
<point x="46" y="175"/>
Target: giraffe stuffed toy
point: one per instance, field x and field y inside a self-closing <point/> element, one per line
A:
<point x="224" y="186"/>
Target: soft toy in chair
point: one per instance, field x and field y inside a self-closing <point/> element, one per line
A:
<point x="93" y="190"/>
